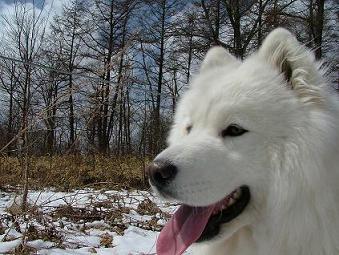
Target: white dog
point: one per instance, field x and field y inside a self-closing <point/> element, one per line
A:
<point x="253" y="157"/>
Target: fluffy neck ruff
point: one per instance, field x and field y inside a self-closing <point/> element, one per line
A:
<point x="303" y="206"/>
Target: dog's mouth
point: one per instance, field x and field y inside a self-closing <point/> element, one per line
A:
<point x="226" y="210"/>
<point x="192" y="224"/>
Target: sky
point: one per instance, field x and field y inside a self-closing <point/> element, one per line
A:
<point x="51" y="8"/>
<point x="37" y="3"/>
<point x="7" y="6"/>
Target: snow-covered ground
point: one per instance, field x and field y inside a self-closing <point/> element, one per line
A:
<point x="82" y="222"/>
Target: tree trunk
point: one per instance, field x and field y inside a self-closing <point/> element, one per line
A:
<point x="118" y="84"/>
<point x="10" y="131"/>
<point x="70" y="98"/>
<point x="318" y="27"/>
<point x="261" y="10"/>
<point x="157" y="120"/>
<point x="24" y="135"/>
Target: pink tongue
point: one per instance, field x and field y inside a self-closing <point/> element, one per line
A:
<point x="183" y="229"/>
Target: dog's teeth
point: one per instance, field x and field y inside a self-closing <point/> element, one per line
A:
<point x="231" y="201"/>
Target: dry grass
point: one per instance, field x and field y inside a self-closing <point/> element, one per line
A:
<point x="75" y="171"/>
<point x="106" y="240"/>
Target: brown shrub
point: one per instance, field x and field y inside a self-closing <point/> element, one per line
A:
<point x="75" y="171"/>
<point x="106" y="240"/>
<point x="148" y="207"/>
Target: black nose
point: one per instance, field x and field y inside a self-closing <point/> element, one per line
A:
<point x="161" y="173"/>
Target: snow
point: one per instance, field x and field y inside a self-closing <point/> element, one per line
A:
<point x="85" y="221"/>
<point x="9" y="246"/>
<point x="39" y="244"/>
<point x="133" y="235"/>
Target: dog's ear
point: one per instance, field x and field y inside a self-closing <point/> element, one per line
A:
<point x="282" y="50"/>
<point x="217" y="56"/>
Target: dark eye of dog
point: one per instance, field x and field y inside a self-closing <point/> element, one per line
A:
<point x="233" y="130"/>
<point x="188" y="129"/>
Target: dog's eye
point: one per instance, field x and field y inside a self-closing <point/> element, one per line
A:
<point x="233" y="130"/>
<point x="188" y="129"/>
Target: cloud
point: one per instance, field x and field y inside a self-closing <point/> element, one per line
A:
<point x="55" y="6"/>
<point x="49" y="9"/>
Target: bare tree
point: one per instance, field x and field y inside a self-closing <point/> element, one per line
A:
<point x="107" y="77"/>
<point x="108" y="45"/>
<point x="316" y="20"/>
<point x="69" y="29"/>
<point x="9" y="83"/>
<point x="155" y="33"/>
<point x="25" y="30"/>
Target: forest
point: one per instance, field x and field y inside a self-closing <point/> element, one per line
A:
<point x="104" y="76"/>
<point x="88" y="89"/>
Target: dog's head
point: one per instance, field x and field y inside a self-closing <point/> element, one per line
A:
<point x="227" y="129"/>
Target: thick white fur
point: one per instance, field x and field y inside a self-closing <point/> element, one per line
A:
<point x="289" y="158"/>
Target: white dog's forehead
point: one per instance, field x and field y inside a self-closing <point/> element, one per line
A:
<point x="247" y="93"/>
